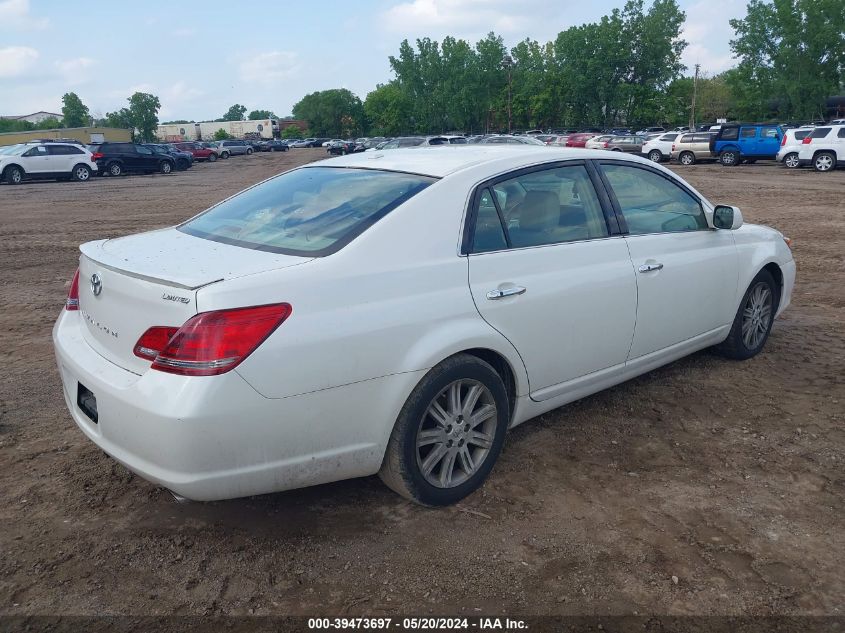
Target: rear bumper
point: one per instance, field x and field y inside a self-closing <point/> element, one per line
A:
<point x="215" y="437"/>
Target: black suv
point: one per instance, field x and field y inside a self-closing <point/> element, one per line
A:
<point x="119" y="158"/>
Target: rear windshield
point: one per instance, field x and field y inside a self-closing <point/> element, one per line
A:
<point x="313" y="211"/>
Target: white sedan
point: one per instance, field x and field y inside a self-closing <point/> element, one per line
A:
<point x="397" y="312"/>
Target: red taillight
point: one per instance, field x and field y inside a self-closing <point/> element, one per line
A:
<point x="153" y="341"/>
<point x="212" y="343"/>
<point x="806" y="140"/>
<point x="96" y="155"/>
<point x="783" y="141"/>
<point x="606" y="143"/>
<point x="72" y="301"/>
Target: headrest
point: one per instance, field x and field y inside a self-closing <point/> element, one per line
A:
<point x="539" y="211"/>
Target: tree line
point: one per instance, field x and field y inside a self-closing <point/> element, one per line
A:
<point x="624" y="69"/>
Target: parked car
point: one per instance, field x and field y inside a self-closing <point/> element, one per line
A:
<point x="234" y="147"/>
<point x="307" y="142"/>
<point x="184" y="160"/>
<point x="650" y="130"/>
<point x="403" y="141"/>
<point x="598" y="142"/>
<point x="746" y="142"/>
<point x="631" y="144"/>
<point x="116" y="159"/>
<point x="692" y="148"/>
<point x="681" y="128"/>
<point x="447" y="139"/>
<point x="823" y="148"/>
<point x="273" y="146"/>
<point x="46" y="160"/>
<point x="580" y="139"/>
<point x="791" y="145"/>
<point x="330" y="141"/>
<point x="659" y="149"/>
<point x="448" y="349"/>
<point x="198" y="151"/>
<point x="341" y="148"/>
<point x="508" y="139"/>
<point x="559" y="141"/>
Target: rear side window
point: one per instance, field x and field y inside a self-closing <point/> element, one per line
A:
<point x="687" y="138"/>
<point x="820" y="132"/>
<point x="748" y="132"/>
<point x="544" y="207"/>
<point x="310" y="212"/>
<point x="730" y="134"/>
<point x="652" y="203"/>
<point x="841" y="133"/>
<point x="769" y="132"/>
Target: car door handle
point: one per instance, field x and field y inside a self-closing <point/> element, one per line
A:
<point x="647" y="268"/>
<point x="501" y="293"/>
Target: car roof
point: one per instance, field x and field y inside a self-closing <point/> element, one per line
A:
<point x="441" y="160"/>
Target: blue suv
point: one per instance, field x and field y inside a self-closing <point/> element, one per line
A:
<point x="738" y="142"/>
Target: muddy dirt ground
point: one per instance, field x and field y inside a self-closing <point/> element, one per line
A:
<point x="706" y="487"/>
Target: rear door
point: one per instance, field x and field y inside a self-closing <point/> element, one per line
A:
<point x="686" y="272"/>
<point x="547" y="272"/>
<point x="769" y="139"/>
<point x="61" y="158"/>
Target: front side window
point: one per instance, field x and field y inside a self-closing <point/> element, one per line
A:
<point x="39" y="150"/>
<point x="311" y="211"/>
<point x="652" y="203"/>
<point x="539" y="208"/>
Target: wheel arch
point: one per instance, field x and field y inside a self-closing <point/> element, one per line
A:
<point x="502" y="367"/>
<point x="10" y="165"/>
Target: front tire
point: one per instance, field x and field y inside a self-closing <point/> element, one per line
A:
<point x="212" y="157"/>
<point x="824" y="161"/>
<point x="729" y="158"/>
<point x="655" y="156"/>
<point x="791" y="160"/>
<point x="224" y="155"/>
<point x="249" y="151"/>
<point x="754" y="318"/>
<point x="81" y="173"/>
<point x="687" y="158"/>
<point x="449" y="433"/>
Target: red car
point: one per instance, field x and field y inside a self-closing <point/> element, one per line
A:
<point x="579" y="140"/>
<point x="199" y="152"/>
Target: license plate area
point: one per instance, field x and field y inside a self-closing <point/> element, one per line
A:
<point x="86" y="402"/>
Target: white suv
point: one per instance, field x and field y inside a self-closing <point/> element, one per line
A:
<point x="823" y="148"/>
<point x="660" y="148"/>
<point x="791" y="145"/>
<point x="43" y="160"/>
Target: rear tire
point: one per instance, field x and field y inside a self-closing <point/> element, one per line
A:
<point x="249" y="151"/>
<point x="655" y="156"/>
<point x="729" y="158"/>
<point x="14" y="175"/>
<point x="824" y="161"/>
<point x="166" y="167"/>
<point x="224" y="155"/>
<point x="790" y="161"/>
<point x="435" y="455"/>
<point x="687" y="158"/>
<point x="754" y="318"/>
<point x="81" y="173"/>
<point x="114" y="169"/>
<point x="212" y="157"/>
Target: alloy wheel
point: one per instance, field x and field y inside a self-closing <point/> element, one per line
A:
<point x="791" y="161"/>
<point x="824" y="162"/>
<point x="456" y="433"/>
<point x="82" y="173"/>
<point x="655" y="156"/>
<point x="757" y="315"/>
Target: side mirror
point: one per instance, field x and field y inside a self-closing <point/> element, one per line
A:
<point x="727" y="217"/>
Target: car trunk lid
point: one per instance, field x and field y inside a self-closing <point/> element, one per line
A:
<point x="128" y="285"/>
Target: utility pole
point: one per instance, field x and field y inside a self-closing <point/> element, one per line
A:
<point x="694" y="94"/>
<point x="508" y="62"/>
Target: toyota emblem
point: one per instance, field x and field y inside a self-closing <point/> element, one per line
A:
<point x="96" y="284"/>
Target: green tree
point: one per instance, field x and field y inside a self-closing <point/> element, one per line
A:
<point x="261" y="114"/>
<point x="74" y="112"/>
<point x="221" y="135"/>
<point x="792" y="56"/>
<point x="337" y="112"/>
<point x="388" y="109"/>
<point x="143" y="114"/>
<point x="235" y="113"/>
<point x="292" y="131"/>
<point x="50" y="123"/>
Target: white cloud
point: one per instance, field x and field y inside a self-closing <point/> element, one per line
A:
<point x="183" y="32"/>
<point x="14" y="14"/>
<point x="75" y="71"/>
<point x="706" y="25"/>
<point x="16" y="60"/>
<point x="268" y="68"/>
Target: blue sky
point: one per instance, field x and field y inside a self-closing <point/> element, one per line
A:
<point x="201" y="57"/>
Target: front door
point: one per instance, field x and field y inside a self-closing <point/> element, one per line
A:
<point x="36" y="161"/>
<point x="686" y="271"/>
<point x="545" y="271"/>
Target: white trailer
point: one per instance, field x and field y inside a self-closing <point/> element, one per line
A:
<point x="262" y="128"/>
<point x="173" y="132"/>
